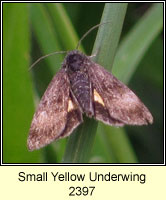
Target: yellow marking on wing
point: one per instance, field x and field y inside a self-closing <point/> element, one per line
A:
<point x="70" y="106"/>
<point x="98" y="98"/>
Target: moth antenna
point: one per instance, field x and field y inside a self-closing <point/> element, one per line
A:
<point x="41" y="58"/>
<point x="91" y="29"/>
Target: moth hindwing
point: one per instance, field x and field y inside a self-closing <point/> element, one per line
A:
<point x="83" y="87"/>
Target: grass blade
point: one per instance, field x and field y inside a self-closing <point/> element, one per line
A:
<point x="17" y="100"/>
<point x="64" y="27"/>
<point x="45" y="34"/>
<point x="107" y="39"/>
<point x="80" y="143"/>
<point x="137" y="41"/>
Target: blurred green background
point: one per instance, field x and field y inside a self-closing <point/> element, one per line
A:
<point x="33" y="30"/>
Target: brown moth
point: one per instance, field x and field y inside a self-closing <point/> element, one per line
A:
<point x="83" y="87"/>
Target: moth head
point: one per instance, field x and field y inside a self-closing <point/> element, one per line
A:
<point x="75" y="61"/>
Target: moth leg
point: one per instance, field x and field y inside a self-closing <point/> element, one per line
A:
<point x="95" y="54"/>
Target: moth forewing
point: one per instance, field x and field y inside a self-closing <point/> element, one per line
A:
<point x="74" y="116"/>
<point x="98" y="98"/>
<point x="101" y="112"/>
<point x="50" y="118"/>
<point x="122" y="104"/>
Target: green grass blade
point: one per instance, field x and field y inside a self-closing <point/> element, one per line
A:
<point x="17" y="100"/>
<point x="64" y="27"/>
<point x="80" y="143"/>
<point x="45" y="34"/>
<point x="102" y="151"/>
<point x="107" y="39"/>
<point x="120" y="144"/>
<point x="137" y="41"/>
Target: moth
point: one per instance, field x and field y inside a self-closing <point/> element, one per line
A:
<point x="83" y="87"/>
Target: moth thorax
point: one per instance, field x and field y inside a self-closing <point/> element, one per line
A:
<point x="75" y="62"/>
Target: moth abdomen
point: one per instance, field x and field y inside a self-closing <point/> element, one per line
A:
<point x="81" y="88"/>
<point x="80" y="81"/>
